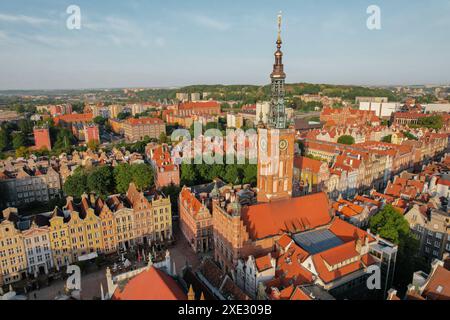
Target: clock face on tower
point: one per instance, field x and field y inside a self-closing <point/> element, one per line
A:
<point x="283" y="145"/>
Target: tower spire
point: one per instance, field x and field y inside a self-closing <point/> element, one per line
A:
<point x="280" y="18"/>
<point x="277" y="112"/>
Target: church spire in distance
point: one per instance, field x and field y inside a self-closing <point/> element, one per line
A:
<point x="278" y="112"/>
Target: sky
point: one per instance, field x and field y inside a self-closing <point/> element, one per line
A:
<point x="165" y="43"/>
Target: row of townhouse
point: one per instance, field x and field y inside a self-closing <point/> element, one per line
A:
<point x="423" y="201"/>
<point x="40" y="243"/>
<point x="370" y="165"/>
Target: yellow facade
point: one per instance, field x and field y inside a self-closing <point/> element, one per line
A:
<point x="13" y="261"/>
<point x="72" y="234"/>
<point x="108" y="230"/>
<point x="77" y="236"/>
<point x="92" y="227"/>
<point x="162" y="215"/>
<point x="124" y="227"/>
<point x="60" y="242"/>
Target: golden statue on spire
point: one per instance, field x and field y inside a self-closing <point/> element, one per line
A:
<point x="280" y="17"/>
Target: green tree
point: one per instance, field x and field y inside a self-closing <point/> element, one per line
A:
<point x="250" y="172"/>
<point x="389" y="224"/>
<point x="100" y="120"/>
<point x="64" y="141"/>
<point x="4" y="139"/>
<point x="188" y="174"/>
<point x="25" y="126"/>
<point x="348" y="140"/>
<point x="22" y="152"/>
<point x="232" y="174"/>
<point x="409" y="135"/>
<point x="93" y="145"/>
<point x="123" y="115"/>
<point x="213" y="172"/>
<point x="387" y="139"/>
<point x="76" y="184"/>
<point x="392" y="226"/>
<point x="163" y="138"/>
<point x="122" y="177"/>
<point x="142" y="176"/>
<point x="100" y="181"/>
<point x="18" y="140"/>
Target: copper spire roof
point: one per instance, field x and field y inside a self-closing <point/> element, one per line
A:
<point x="278" y="68"/>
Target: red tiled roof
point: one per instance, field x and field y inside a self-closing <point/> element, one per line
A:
<point x="263" y="263"/>
<point x="328" y="276"/>
<point x="307" y="163"/>
<point x="347" y="208"/>
<point x="340" y="253"/>
<point x="289" y="266"/>
<point x="293" y="215"/>
<point x="438" y="288"/>
<point x="284" y="241"/>
<point x="348" y="232"/>
<point x="152" y="284"/>
<point x="74" y="117"/>
<point x="192" y="203"/>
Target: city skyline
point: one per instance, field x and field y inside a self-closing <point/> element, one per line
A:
<point x="179" y="44"/>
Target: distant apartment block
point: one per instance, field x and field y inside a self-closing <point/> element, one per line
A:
<point x="382" y="109"/>
<point x="69" y="119"/>
<point x="183" y="97"/>
<point x="195" y="97"/>
<point x="55" y="110"/>
<point x="8" y="116"/>
<point x="138" y="129"/>
<point x="204" y="107"/>
<point x="372" y="99"/>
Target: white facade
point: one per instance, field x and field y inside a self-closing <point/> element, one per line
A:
<point x="38" y="250"/>
<point x="195" y="97"/>
<point x="437" y="107"/>
<point x="382" y="110"/>
<point x="248" y="276"/>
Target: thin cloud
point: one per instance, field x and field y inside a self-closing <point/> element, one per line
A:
<point x="121" y="32"/>
<point x="211" y="23"/>
<point x="24" y="19"/>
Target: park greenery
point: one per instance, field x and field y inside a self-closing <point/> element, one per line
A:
<point x="409" y="135"/>
<point x="106" y="180"/>
<point x="435" y="122"/>
<point x="392" y="226"/>
<point x="197" y="174"/>
<point x="348" y="140"/>
<point x="387" y="139"/>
